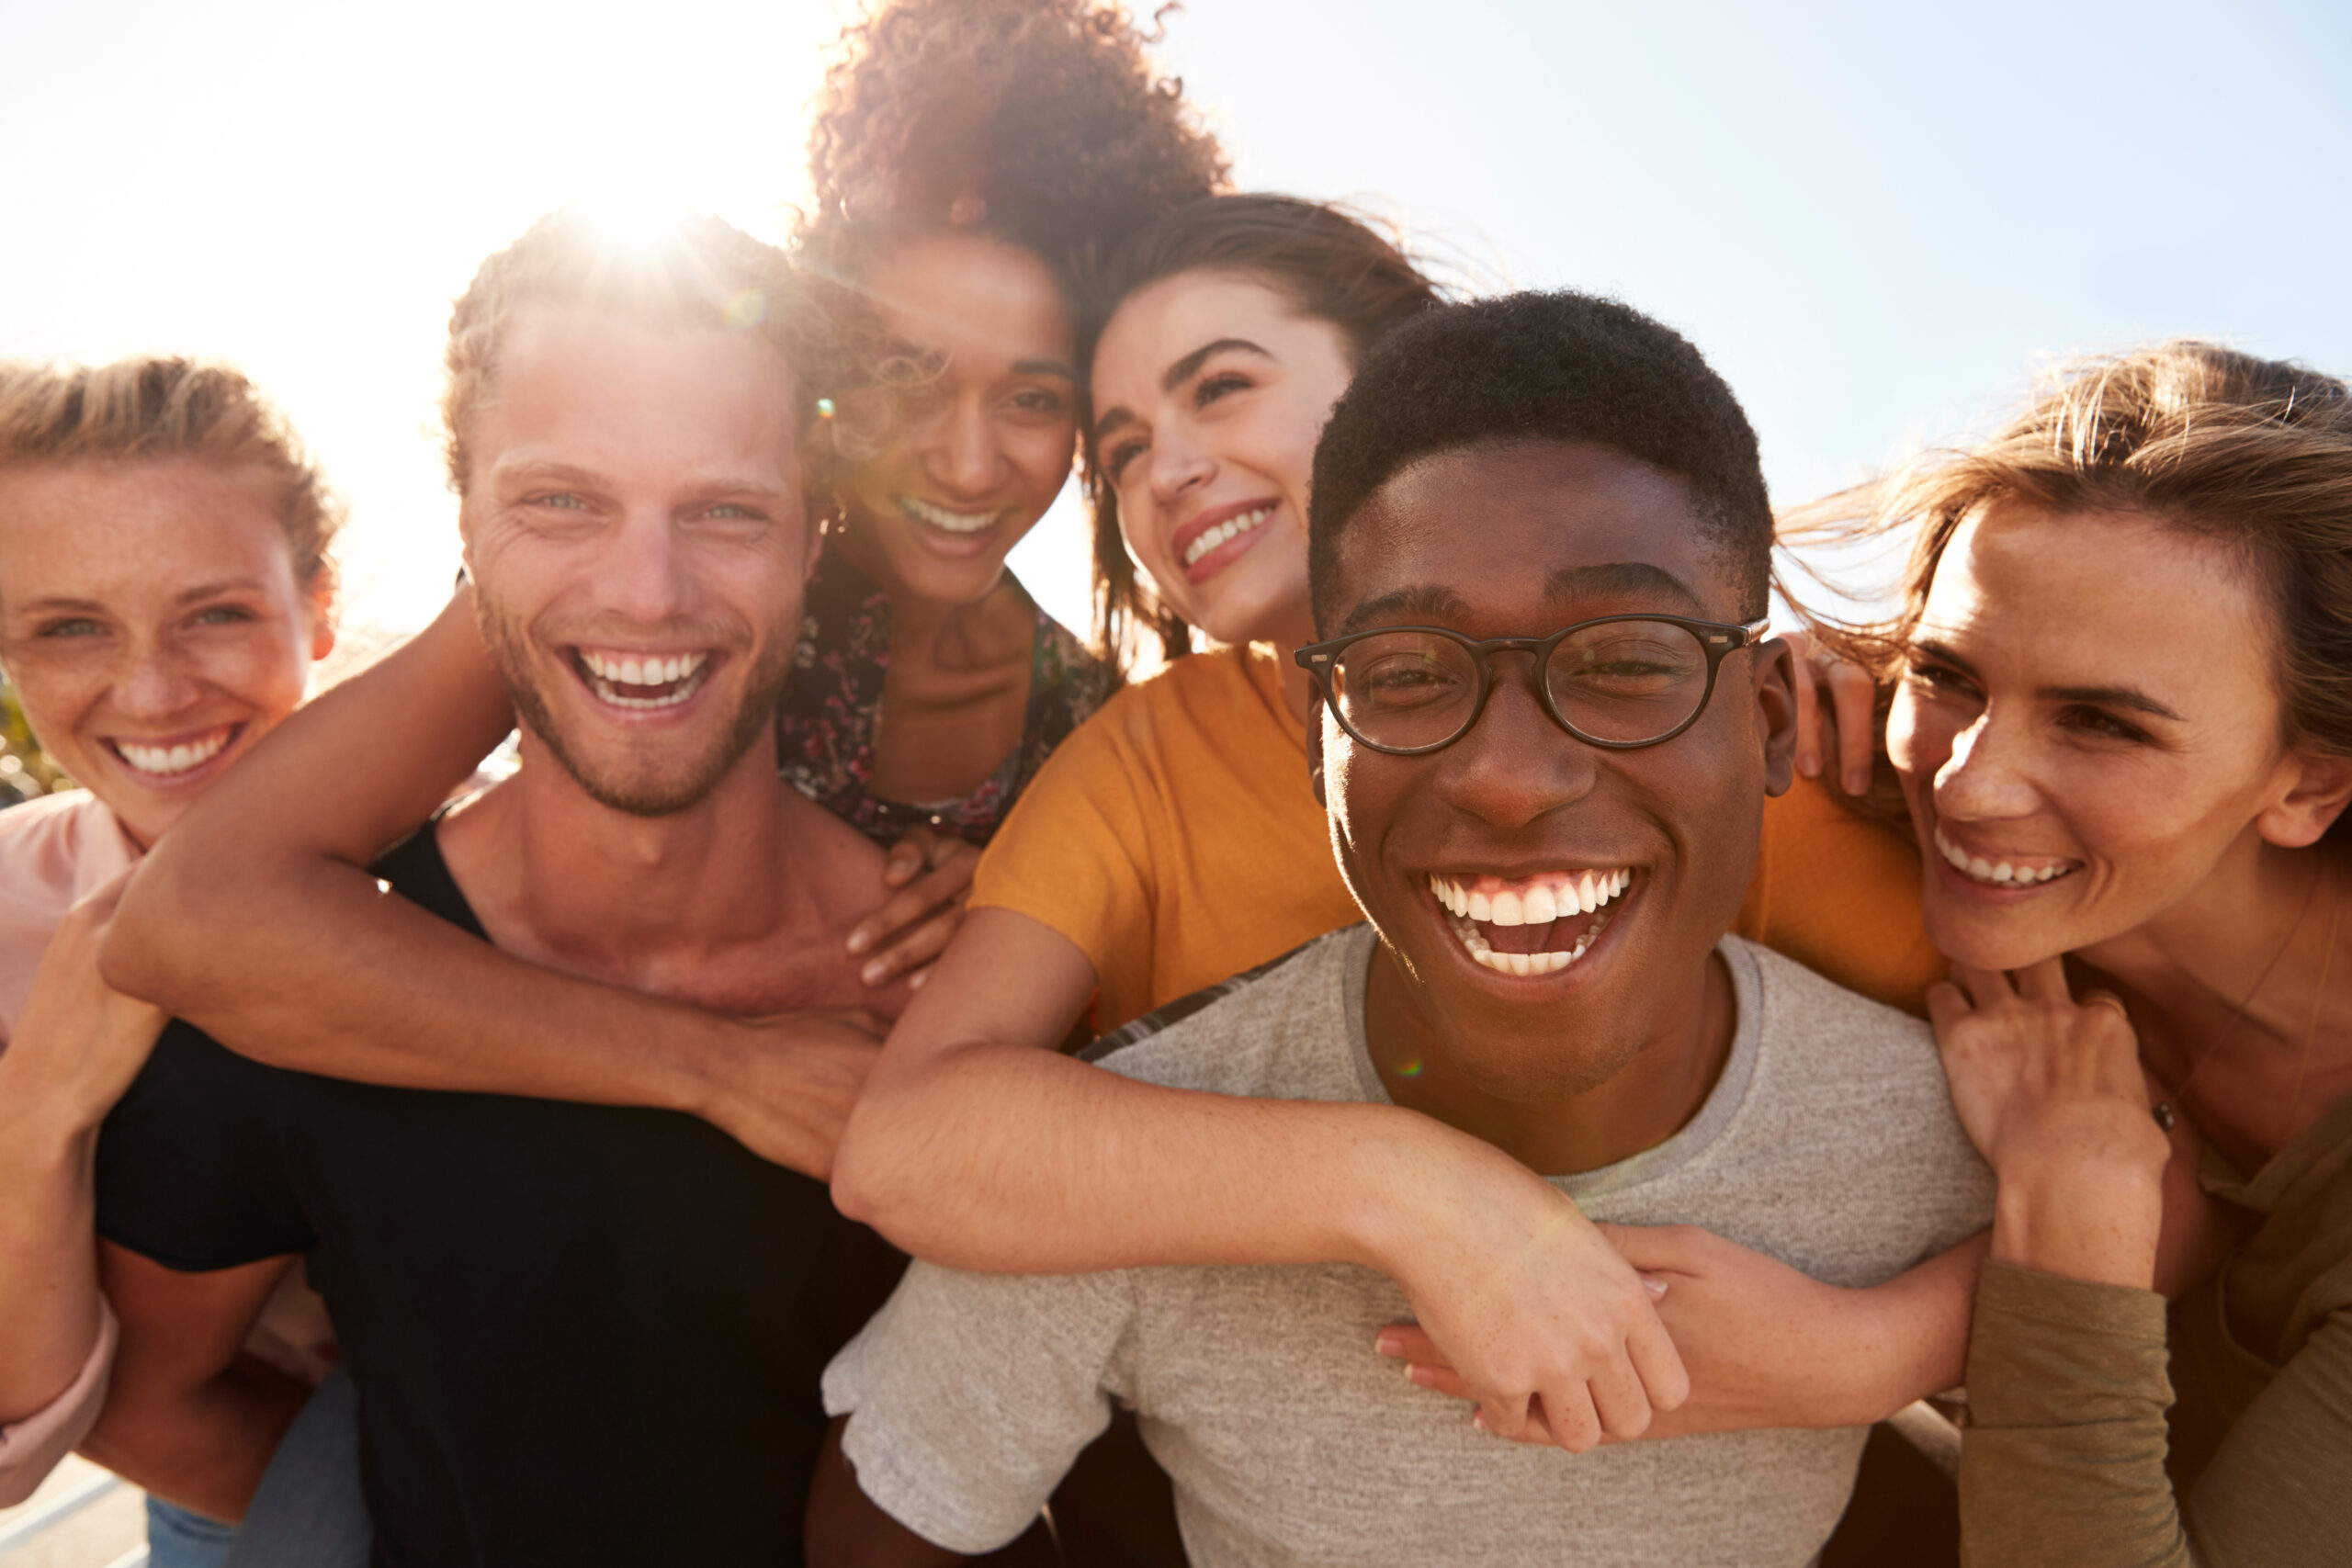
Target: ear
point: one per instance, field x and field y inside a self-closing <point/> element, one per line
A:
<point x="324" y="588"/>
<point x="2318" y="790"/>
<point x="1776" y="710"/>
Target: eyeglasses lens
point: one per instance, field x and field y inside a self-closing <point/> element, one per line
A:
<point x="1620" y="681"/>
<point x="1628" y="681"/>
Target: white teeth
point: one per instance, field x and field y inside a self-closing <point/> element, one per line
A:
<point x="1541" y="908"/>
<point x="1507" y="910"/>
<point x="1540" y="901"/>
<point x="2000" y="874"/>
<point x="1478" y="908"/>
<point x="164" y="760"/>
<point x="1208" y="539"/>
<point x="941" y="518"/>
<point x="609" y="674"/>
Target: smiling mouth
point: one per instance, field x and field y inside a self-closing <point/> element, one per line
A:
<point x="642" y="681"/>
<point x="948" y="522"/>
<point x="1531" y="926"/>
<point x="1226" y="532"/>
<point x="2012" y="871"/>
<point x="161" y="765"/>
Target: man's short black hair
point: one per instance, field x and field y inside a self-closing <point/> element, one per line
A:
<point x="1559" y="367"/>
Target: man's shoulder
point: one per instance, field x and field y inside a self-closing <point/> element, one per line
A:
<point x="1804" y="1003"/>
<point x="1277" y="1031"/>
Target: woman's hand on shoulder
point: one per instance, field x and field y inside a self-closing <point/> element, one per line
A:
<point x="79" y="1042"/>
<point x="932" y="876"/>
<point x="2051" y="1092"/>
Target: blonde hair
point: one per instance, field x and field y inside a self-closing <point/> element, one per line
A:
<point x="697" y="272"/>
<point x="2254" y="455"/>
<point x="153" y="407"/>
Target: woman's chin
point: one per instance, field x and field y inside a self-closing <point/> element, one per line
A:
<point x="1986" y="940"/>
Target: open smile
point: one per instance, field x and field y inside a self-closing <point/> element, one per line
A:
<point x="643" y="681"/>
<point x="961" y="524"/>
<point x="1532" y="926"/>
<point x="1217" y="538"/>
<point x="176" y="760"/>
<point x="2003" y="871"/>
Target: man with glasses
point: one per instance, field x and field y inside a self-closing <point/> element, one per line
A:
<point x="1540" y="542"/>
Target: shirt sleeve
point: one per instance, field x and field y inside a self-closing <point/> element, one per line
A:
<point x="30" y="1448"/>
<point x="190" y="1172"/>
<point x="2065" y="1456"/>
<point x="970" y="1395"/>
<point x="1075" y="854"/>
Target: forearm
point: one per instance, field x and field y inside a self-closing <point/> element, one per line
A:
<point x="1917" y="1327"/>
<point x="1015" y="1160"/>
<point x="49" y="1277"/>
<point x="2094" y="1219"/>
<point x="206" y="1449"/>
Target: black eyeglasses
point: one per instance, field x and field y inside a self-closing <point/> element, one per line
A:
<point x="1623" y="682"/>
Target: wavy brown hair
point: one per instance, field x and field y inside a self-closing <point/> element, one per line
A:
<point x="2254" y="455"/>
<point x="1332" y="263"/>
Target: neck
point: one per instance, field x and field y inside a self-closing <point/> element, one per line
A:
<point x="2242" y="994"/>
<point x="556" y="875"/>
<point x="1659" y="1087"/>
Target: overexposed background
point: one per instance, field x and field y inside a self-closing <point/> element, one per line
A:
<point x="1875" y="220"/>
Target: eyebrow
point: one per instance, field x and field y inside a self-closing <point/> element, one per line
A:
<point x="2126" y="697"/>
<point x="1618" y="580"/>
<point x="186" y="596"/>
<point x="1044" y="368"/>
<point x="1621" y="580"/>
<point x="1175" y="376"/>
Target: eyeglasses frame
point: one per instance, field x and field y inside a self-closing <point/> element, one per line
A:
<point x="1717" y="640"/>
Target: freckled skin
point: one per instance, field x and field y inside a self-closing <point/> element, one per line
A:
<point x="142" y="661"/>
<point x="2148" y="807"/>
<point x="1611" y="1054"/>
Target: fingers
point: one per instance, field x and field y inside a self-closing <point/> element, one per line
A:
<point x="1408" y="1342"/>
<point x="1984" y="987"/>
<point x="939" y="891"/>
<point x="915" y="950"/>
<point x="908" y="857"/>
<point x="1854" y="698"/>
<point x="2044" y="982"/>
<point x="1574" y="1423"/>
<point x="1946" y="1005"/>
<point x="1804" y="679"/>
<point x="1656" y="1250"/>
<point x="1665" y="1381"/>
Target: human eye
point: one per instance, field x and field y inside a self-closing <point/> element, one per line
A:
<point x="2097" y="723"/>
<point x="1403" y="677"/>
<point x="1122" y="453"/>
<point x="1928" y="674"/>
<point x="1219" y="384"/>
<point x="1038" y="403"/>
<point x="70" y="626"/>
<point x="222" y="616"/>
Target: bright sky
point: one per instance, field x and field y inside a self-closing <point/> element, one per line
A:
<point x="1876" y="220"/>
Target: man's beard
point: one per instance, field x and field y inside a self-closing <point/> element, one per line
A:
<point x="510" y="651"/>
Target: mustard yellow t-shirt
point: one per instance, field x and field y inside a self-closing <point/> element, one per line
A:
<point x="1174" y="837"/>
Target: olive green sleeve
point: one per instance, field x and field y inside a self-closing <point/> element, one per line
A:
<point x="2065" y="1457"/>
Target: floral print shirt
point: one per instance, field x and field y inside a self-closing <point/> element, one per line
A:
<point x="832" y="705"/>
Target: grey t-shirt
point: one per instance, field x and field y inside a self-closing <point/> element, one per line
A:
<point x="1830" y="1142"/>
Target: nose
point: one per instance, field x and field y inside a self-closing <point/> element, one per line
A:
<point x="159" y="681"/>
<point x="1515" y="764"/>
<point x="961" y="453"/>
<point x="643" y="575"/>
<point x="1178" y="467"/>
<point x="1988" y="777"/>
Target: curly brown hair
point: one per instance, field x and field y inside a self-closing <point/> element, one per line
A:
<point x="1042" y="121"/>
<point x="1045" y="123"/>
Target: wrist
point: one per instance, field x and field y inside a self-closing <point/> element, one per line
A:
<point x="700" y="1065"/>
<point x="2094" y="1220"/>
<point x="1416" y="1180"/>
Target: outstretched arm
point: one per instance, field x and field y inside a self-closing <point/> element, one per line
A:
<point x="254" y="919"/>
<point x="977" y="1146"/>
